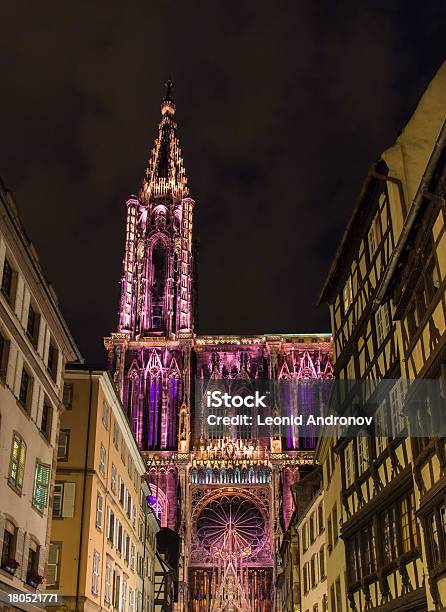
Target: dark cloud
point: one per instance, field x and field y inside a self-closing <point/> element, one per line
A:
<point x="281" y="108"/>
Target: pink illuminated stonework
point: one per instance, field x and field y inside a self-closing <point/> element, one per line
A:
<point x="226" y="492"/>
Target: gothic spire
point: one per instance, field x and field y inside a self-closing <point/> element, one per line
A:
<point x="165" y="172"/>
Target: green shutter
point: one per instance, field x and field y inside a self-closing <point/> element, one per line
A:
<point x="41" y="483"/>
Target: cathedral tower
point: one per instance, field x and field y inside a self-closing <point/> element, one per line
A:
<point x="226" y="491"/>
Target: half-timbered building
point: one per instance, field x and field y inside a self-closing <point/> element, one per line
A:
<point x="386" y="297"/>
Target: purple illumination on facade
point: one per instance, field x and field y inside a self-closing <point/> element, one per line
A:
<point x="199" y="478"/>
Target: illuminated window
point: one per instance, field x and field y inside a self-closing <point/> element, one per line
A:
<point x="17" y="462"/>
<point x="41" y="486"/>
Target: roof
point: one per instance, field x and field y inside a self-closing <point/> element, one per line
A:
<point x="30" y="252"/>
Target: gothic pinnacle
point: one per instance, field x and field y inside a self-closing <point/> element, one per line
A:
<point x="167" y="105"/>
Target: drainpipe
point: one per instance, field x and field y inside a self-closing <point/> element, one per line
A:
<point x="84" y="488"/>
<point x="410" y="219"/>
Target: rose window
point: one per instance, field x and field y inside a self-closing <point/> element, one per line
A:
<point x="231" y="525"/>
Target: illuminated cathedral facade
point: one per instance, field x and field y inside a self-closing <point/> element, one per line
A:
<point x="227" y="491"/>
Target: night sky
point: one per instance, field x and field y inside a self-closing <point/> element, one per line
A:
<point x="281" y="108"/>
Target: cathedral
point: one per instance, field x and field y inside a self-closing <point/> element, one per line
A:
<point x="226" y="491"/>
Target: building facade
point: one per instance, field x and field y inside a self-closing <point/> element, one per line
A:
<point x="416" y="285"/>
<point x="386" y="297"/>
<point x="35" y="344"/>
<point x="312" y="556"/>
<point x="102" y="553"/>
<point x="201" y="478"/>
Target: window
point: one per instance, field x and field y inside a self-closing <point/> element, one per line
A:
<point x="382" y="322"/>
<point x="113" y="478"/>
<point x="389" y="535"/>
<point x="338" y="596"/>
<point x="330" y="535"/>
<point x="53" y="565"/>
<point x="332" y="598"/>
<point x="108" y="580"/>
<point x="123" y="598"/>
<point x="4" y="357"/>
<point x="134" y="516"/>
<point x="41" y="484"/>
<point x="322" y="562"/>
<point x="374" y="236"/>
<point x="63" y="445"/>
<point x="99" y="510"/>
<point x="33" y="560"/>
<point x="9" y="541"/>
<point x="8" y="281"/>
<point x="354" y="558"/>
<point x="320" y="517"/>
<point x="53" y="359"/>
<point x="116" y="435"/>
<point x="397" y="396"/>
<point x="17" y="463"/>
<point x="368" y="540"/>
<point x="105" y="414"/>
<point x="64" y="499"/>
<point x="348" y="465"/>
<point x="313" y="571"/>
<point x="380" y="428"/>
<point x="325" y="604"/>
<point x="102" y="459"/>
<point x="47" y="418"/>
<point x="132" y="556"/>
<point x="110" y="526"/>
<point x="123" y="449"/>
<point x="126" y="546"/>
<point x="363" y="452"/>
<point x="335" y="525"/>
<point x="95" y="573"/>
<point x="347" y="294"/>
<point x="131" y="600"/>
<point x="25" y="390"/>
<point x="304" y="537"/>
<point x="305" y="577"/>
<point x="436" y="534"/>
<point x="32" y="326"/>
<point x="68" y="396"/>
<point x="312" y="529"/>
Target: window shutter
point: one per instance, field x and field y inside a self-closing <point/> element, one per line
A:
<point x="69" y="494"/>
<point x="99" y="510"/>
<point x="41" y="482"/>
<point x="52" y="568"/>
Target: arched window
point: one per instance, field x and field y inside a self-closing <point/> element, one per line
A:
<point x="158" y="502"/>
<point x="159" y="275"/>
